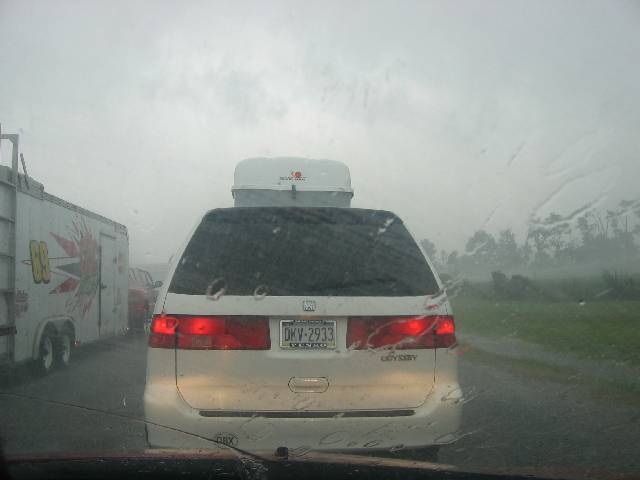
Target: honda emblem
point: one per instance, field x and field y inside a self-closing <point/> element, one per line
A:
<point x="309" y="305"/>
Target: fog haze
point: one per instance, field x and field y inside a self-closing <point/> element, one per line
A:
<point x="455" y="115"/>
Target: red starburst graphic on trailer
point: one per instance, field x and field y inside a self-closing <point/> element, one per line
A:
<point x="82" y="270"/>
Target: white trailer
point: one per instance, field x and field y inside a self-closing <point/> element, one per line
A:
<point x="63" y="272"/>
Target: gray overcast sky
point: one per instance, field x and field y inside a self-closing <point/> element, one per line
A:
<point x="455" y="115"/>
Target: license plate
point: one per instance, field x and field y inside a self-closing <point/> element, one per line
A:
<point x="310" y="334"/>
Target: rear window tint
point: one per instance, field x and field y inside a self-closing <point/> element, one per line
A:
<point x="303" y="251"/>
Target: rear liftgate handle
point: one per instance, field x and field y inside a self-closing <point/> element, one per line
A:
<point x="308" y="384"/>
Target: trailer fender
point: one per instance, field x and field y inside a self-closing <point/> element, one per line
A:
<point x="56" y="324"/>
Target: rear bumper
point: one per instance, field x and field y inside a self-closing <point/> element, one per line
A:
<point x="436" y="422"/>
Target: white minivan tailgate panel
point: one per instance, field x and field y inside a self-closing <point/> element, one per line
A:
<point x="324" y="306"/>
<point x="259" y="380"/>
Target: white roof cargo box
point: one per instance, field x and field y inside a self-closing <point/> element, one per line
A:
<point x="290" y="181"/>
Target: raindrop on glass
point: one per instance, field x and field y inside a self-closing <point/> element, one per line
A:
<point x="260" y="292"/>
<point x="216" y="289"/>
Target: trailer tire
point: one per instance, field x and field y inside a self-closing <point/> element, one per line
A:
<point x="63" y="348"/>
<point x="46" y="356"/>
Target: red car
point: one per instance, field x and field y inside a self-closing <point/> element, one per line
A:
<point x="142" y="297"/>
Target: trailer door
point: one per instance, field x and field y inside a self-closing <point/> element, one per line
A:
<point x="108" y="260"/>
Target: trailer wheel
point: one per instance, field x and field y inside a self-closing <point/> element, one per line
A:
<point x="63" y="348"/>
<point x="46" y="356"/>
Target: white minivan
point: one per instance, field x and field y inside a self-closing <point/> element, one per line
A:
<point x="301" y="326"/>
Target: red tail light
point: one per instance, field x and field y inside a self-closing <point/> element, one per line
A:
<point x="401" y="332"/>
<point x="163" y="330"/>
<point x="191" y="332"/>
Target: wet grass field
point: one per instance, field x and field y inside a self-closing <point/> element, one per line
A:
<point x="608" y="330"/>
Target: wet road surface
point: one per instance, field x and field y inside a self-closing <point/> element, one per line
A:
<point x="511" y="419"/>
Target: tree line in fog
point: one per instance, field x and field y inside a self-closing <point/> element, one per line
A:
<point x="587" y="242"/>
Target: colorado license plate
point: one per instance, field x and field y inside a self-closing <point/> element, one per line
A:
<point x="311" y="334"/>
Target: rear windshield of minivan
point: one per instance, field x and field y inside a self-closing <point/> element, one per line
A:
<point x="303" y="252"/>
